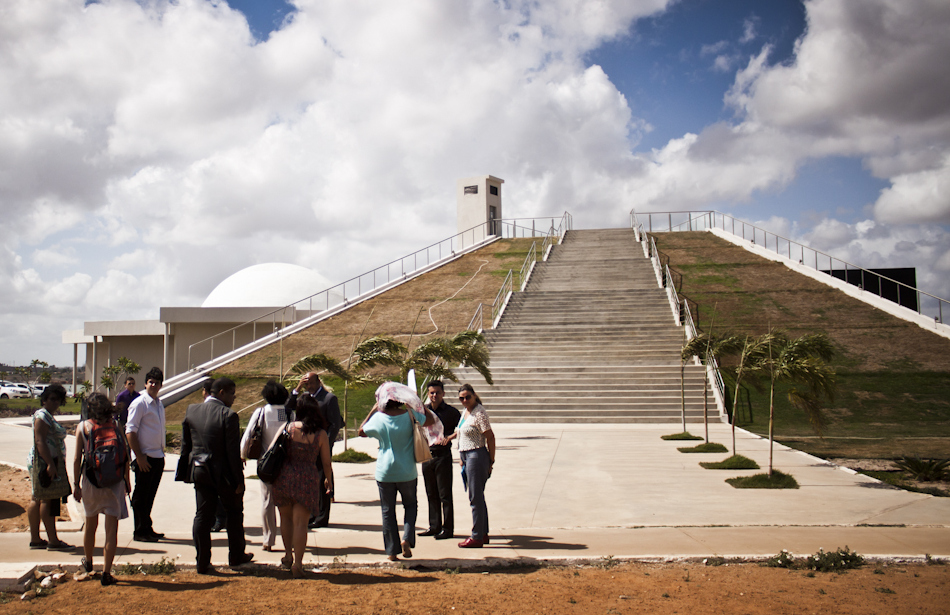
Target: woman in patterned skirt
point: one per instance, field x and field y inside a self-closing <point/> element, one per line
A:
<point x="296" y="488"/>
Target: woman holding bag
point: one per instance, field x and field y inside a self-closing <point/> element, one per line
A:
<point x="263" y="427"/>
<point x="391" y="424"/>
<point x="297" y="488"/>
<point x="47" y="465"/>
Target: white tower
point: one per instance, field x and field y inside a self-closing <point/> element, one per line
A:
<point x="479" y="202"/>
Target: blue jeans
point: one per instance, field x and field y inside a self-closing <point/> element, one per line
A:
<point x="387" y="500"/>
<point x="477" y="465"/>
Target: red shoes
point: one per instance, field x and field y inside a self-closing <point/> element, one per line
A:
<point x="471" y="543"/>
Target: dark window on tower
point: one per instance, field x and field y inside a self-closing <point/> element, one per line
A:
<point x="471" y="189"/>
<point x="493" y="190"/>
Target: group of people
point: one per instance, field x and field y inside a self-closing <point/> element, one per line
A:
<point x="214" y="452"/>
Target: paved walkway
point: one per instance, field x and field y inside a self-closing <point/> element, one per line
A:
<point x="570" y="491"/>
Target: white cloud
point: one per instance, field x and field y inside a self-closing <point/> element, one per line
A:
<point x="165" y="149"/>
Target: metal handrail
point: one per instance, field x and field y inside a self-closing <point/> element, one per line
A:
<point x="526" y="266"/>
<point x="345" y="292"/>
<point x="709" y="219"/>
<point x="477" y="317"/>
<point x="712" y="365"/>
<point x="503" y="292"/>
<point x="673" y="295"/>
<point x="713" y="372"/>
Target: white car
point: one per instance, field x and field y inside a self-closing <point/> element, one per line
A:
<point x="38" y="389"/>
<point x="13" y="390"/>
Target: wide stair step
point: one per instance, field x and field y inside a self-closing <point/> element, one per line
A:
<point x="591" y="339"/>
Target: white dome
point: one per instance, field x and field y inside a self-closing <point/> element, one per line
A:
<point x="267" y="285"/>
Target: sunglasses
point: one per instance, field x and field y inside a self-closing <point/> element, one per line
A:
<point x="464" y="397"/>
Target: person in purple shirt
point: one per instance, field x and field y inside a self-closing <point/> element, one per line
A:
<point x="124" y="399"/>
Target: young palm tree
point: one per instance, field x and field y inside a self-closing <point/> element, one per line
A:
<point x="430" y="360"/>
<point x="750" y="356"/>
<point x="801" y="361"/>
<point x="704" y="346"/>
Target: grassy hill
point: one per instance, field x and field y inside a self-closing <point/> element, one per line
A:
<point x="893" y="376"/>
<point x="440" y="302"/>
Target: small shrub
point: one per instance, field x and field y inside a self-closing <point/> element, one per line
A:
<point x="685" y="435"/>
<point x="353" y="456"/>
<point x="165" y="566"/>
<point x="784" y="559"/>
<point x="925" y="470"/>
<point x="607" y="562"/>
<point x="736" y="462"/>
<point x="837" y="561"/>
<point x="705" y="447"/>
<point x="884" y="590"/>
<point x="714" y="561"/>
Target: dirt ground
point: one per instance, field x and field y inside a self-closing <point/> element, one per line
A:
<point x="607" y="587"/>
<point x="691" y="588"/>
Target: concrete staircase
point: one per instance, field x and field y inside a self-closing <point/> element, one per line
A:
<point x="591" y="339"/>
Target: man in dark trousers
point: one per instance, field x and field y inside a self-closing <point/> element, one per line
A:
<point x="310" y="385"/>
<point x="211" y="460"/>
<point x="437" y="472"/>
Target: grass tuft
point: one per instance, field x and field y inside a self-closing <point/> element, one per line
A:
<point x="778" y="480"/>
<point x="705" y="447"/>
<point x="353" y="456"/>
<point x="736" y="462"/>
<point x="685" y="435"/>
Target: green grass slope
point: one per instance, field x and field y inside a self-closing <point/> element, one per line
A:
<point x="893" y="376"/>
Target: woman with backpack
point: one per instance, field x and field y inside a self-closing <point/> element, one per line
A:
<point x="101" y="468"/>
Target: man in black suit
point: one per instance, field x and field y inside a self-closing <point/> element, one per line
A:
<point x="211" y="459"/>
<point x="310" y="385"/>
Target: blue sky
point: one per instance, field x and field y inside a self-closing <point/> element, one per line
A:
<point x="149" y="150"/>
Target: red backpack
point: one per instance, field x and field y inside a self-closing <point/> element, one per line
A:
<point x="106" y="454"/>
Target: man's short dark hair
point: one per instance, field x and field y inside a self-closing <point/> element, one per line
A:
<point x="130" y="379"/>
<point x="155" y="374"/>
<point x="222" y="384"/>
<point x="436" y="383"/>
<point x="275" y="393"/>
<point x="206" y="385"/>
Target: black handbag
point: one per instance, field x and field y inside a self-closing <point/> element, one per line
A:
<point x="272" y="461"/>
<point x="256" y="444"/>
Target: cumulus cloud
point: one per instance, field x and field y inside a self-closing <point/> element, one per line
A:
<point x="165" y="148"/>
<point x="149" y="150"/>
<point x="867" y="80"/>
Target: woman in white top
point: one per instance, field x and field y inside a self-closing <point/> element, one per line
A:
<point x="477" y="456"/>
<point x="272" y="419"/>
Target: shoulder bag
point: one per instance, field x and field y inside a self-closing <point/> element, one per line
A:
<point x="272" y="461"/>
<point x="420" y="443"/>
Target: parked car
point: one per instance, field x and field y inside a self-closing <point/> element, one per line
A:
<point x="38" y="389"/>
<point x="14" y="390"/>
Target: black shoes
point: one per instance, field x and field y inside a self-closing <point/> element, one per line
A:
<point x="147" y="537"/>
<point x="428" y="532"/>
<point x="444" y="534"/>
<point x="244" y="559"/>
<point x="217" y="527"/>
<point x="107" y="579"/>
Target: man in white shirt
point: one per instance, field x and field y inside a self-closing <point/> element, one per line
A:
<point x="146" y="433"/>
